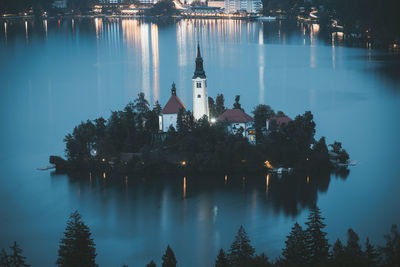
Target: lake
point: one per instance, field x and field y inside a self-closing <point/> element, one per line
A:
<point x="55" y="74"/>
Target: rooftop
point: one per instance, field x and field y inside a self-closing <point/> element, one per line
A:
<point x="235" y="115"/>
<point x="173" y="105"/>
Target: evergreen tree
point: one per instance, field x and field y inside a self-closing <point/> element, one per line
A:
<point x="237" y="104"/>
<point x="151" y="264"/>
<point x="260" y="261"/>
<point x="220" y="104"/>
<point x="4" y="259"/>
<point x="141" y="105"/>
<point x="337" y="256"/>
<point x="391" y="251"/>
<point x="371" y="254"/>
<point x="212" y="108"/>
<point x="77" y="248"/>
<point x="157" y="108"/>
<point x="168" y="259"/>
<point x="295" y="251"/>
<point x="222" y="260"/>
<point x="240" y="251"/>
<point x="16" y="258"/>
<point x="352" y="250"/>
<point x="316" y="241"/>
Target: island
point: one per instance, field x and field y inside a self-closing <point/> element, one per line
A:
<point x="209" y="139"/>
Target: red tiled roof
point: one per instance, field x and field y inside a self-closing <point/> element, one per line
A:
<point x="173" y="105"/>
<point x="281" y="120"/>
<point x="235" y="115"/>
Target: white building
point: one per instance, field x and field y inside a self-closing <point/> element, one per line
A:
<point x="238" y="121"/>
<point x="200" y="97"/>
<point x="250" y="6"/>
<point x="169" y="114"/>
<point x="60" y="3"/>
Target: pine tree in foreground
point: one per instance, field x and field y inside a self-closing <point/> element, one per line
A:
<point x="151" y="264"/>
<point x="295" y="251"/>
<point x="352" y="250"/>
<point x="77" y="248"/>
<point x="4" y="258"/>
<point x="371" y="254"/>
<point x="391" y="251"/>
<point x="260" y="261"/>
<point x="240" y="251"/>
<point x="316" y="241"/>
<point x="15" y="258"/>
<point x="168" y="259"/>
<point x="337" y="256"/>
<point x="222" y="260"/>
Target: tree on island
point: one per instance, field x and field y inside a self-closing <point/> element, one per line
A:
<point x="261" y="113"/>
<point x="211" y="107"/>
<point x="295" y="252"/>
<point x="220" y="104"/>
<point x="162" y="8"/>
<point x="168" y="259"/>
<point x="316" y="241"/>
<point x="241" y="251"/>
<point x="237" y="104"/>
<point x="77" y="247"/>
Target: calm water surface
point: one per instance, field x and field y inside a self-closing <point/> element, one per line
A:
<point x="55" y="74"/>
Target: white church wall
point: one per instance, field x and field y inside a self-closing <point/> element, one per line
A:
<point x="168" y="120"/>
<point x="200" y="98"/>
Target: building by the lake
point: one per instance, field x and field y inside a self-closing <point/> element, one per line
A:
<point x="169" y="114"/>
<point x="238" y="121"/>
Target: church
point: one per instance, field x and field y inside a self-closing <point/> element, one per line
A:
<point x="169" y="114"/>
<point x="237" y="120"/>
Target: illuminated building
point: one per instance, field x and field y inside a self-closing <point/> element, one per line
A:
<point x="200" y="97"/>
<point x="169" y="114"/>
<point x="249" y="6"/>
<point x="239" y="121"/>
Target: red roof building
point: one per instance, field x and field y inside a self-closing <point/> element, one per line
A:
<point x="169" y="114"/>
<point x="235" y="116"/>
<point x="279" y="121"/>
<point x="174" y="104"/>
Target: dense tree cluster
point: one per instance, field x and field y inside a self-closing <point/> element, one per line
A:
<point x="303" y="247"/>
<point x="162" y="8"/>
<point x="204" y="146"/>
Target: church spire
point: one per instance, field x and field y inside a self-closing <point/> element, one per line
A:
<point x="199" y="72"/>
<point x="173" y="89"/>
<point x="198" y="50"/>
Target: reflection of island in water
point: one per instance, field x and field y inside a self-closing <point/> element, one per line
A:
<point x="287" y="194"/>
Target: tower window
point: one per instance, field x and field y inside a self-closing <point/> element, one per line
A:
<point x="198" y="96"/>
<point x="198" y="85"/>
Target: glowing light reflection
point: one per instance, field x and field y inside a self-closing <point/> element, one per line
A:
<point x="184" y="187"/>
<point x="156" y="62"/>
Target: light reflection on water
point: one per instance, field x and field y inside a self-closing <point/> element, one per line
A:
<point x="62" y="72"/>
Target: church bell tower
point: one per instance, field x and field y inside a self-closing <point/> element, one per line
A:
<point x="200" y="96"/>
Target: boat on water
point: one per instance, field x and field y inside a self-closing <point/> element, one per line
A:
<point x="269" y="18"/>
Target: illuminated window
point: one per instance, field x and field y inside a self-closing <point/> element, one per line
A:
<point x="198" y="84"/>
<point x="198" y="96"/>
<point x="252" y="138"/>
